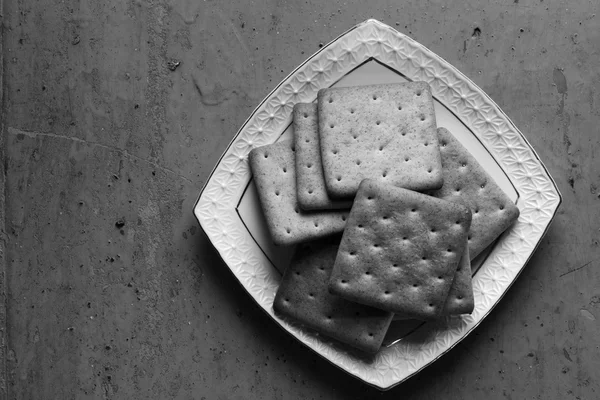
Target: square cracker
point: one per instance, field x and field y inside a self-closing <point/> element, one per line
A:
<point x="303" y="296"/>
<point x="460" y="298"/>
<point x="273" y="168"/>
<point x="467" y="183"/>
<point x="310" y="184"/>
<point x="382" y="132"/>
<point x="400" y="250"/>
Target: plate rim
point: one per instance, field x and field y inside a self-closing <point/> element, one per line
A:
<point x="377" y="24"/>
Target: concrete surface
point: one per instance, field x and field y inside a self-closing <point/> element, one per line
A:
<point x="113" y="291"/>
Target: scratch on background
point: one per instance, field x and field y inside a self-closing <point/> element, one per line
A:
<point x="578" y="268"/>
<point x="125" y="153"/>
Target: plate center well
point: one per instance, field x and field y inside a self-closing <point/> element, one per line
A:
<point x="373" y="72"/>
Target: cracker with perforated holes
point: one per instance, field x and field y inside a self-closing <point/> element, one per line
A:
<point x="310" y="184"/>
<point x="400" y="250"/>
<point x="467" y="183"/>
<point x="303" y="296"/>
<point x="273" y="168"/>
<point x="382" y="132"/>
<point x="460" y="298"/>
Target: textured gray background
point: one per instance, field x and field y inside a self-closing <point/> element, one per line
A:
<point x="97" y="129"/>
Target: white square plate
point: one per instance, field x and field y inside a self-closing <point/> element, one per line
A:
<point x="372" y="52"/>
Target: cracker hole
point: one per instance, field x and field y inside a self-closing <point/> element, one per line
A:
<point x="293" y="149"/>
<point x="368" y="273"/>
<point x="406" y="159"/>
<point x="374" y="97"/>
<point x="339" y="178"/>
<point x="358" y="162"/>
<point x="360" y="226"/>
<point x="403" y="133"/>
<point x="288" y="230"/>
<point x="277" y="193"/>
<point x="440" y="278"/>
<point x="296" y="210"/>
<point x="384" y="174"/>
<point x="463" y="165"/>
<point x="387" y="292"/>
<point x="404" y="238"/>
<point x="343" y="281"/>
<point x="400" y="108"/>
<point x="423" y="258"/>
<point x="307" y="140"/>
<point x="443" y="144"/>
<point x="369" y="197"/>
<point x="310" y="191"/>
<point x="415" y="285"/>
<point x="370" y="334"/>
<point x="305" y="115"/>
<point x="502" y="207"/>
<point x="286" y="299"/>
<point x="449" y="250"/>
<point x="331" y="125"/>
<point x="284" y="170"/>
<point x="297" y="273"/>
<point x="352" y="253"/>
<point x="310" y="295"/>
<point x="476" y="211"/>
<point x="352" y="111"/>
<point x="322" y="269"/>
<point x="316" y="224"/>
<point x="330" y="100"/>
<point x="355" y="136"/>
<point x="418" y="93"/>
<point x="422" y="117"/>
<point x="376" y="245"/>
<point x="308" y="165"/>
<point x="385" y="217"/>
<point x="378" y="122"/>
<point x="414" y="210"/>
<point x="343" y="217"/>
<point x="426" y="144"/>
<point x="334" y="151"/>
<point x="457" y="190"/>
<point x="266" y="155"/>
<point x="459" y="297"/>
<point x="430" y="304"/>
<point x="432" y="230"/>
<point x="469" y="237"/>
<point x="429" y="170"/>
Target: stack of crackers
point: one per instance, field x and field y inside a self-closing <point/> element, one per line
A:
<point x="388" y="209"/>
